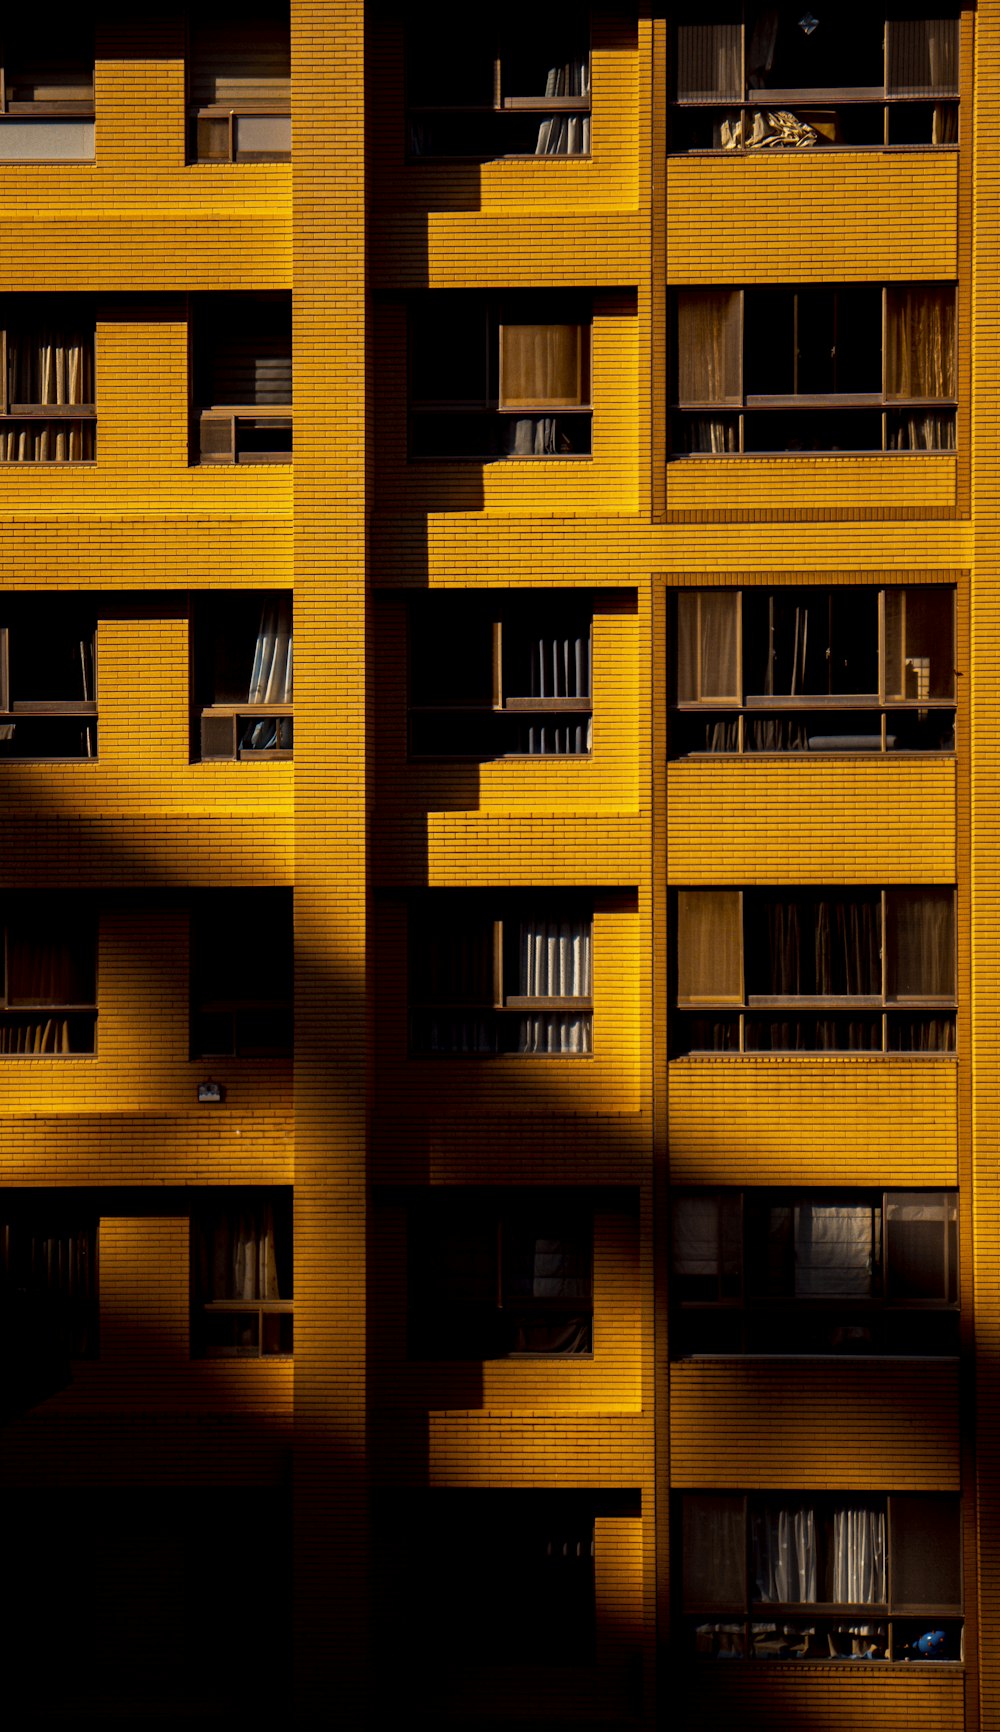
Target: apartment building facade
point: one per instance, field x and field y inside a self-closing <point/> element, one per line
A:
<point x="498" y="1189"/>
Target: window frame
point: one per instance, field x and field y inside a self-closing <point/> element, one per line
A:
<point x="891" y="1612"/>
<point x="501" y="107"/>
<point x="503" y="1006"/>
<point x="235" y="1006"/>
<point x="277" y="106"/>
<point x="744" y="706"/>
<point x="32" y="314"/>
<point x="79" y="1016"/>
<point x="432" y="1220"/>
<point x="217" y="430"/>
<point x="508" y="621"/>
<point x="488" y="410"/>
<point x="739" y="1004"/>
<point x="747" y="1309"/>
<point x="212" y="1207"/>
<point x="816" y="99"/>
<point x="26" y="710"/>
<point x="732" y="410"/>
<point x="210" y="615"/>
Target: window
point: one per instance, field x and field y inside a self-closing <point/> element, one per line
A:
<point x="499" y="379"/>
<point x="492" y="1577"/>
<point x="815" y="1272"/>
<point x="522" y="91"/>
<point x="48" y="1282"/>
<point x="241" y="356"/>
<point x="241" y="974"/>
<point x="49" y="994"/>
<point x="46" y="91"/>
<point x="483" y="983"/>
<point x="881" y="1576"/>
<point x="826" y="970"/>
<point x="757" y="77"/>
<point x="46" y="380"/>
<point x="48" y="703"/>
<point x="239" y="86"/>
<point x="242" y="676"/>
<point x="241" y="1269"/>
<point x="498" y="677"/>
<point x="814" y="670"/>
<point x="495" y="1278"/>
<point x="851" y="368"/>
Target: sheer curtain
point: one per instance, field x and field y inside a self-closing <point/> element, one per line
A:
<point x="834" y="1251"/>
<point x="554" y="962"/>
<point x="271" y="675"/>
<point x="709" y="364"/>
<point x="243" y="1260"/>
<point x="784" y="1553"/>
<point x="920" y="362"/>
<point x="50" y="367"/>
<point x="42" y="969"/>
<point x="859" y="1573"/>
<point x="566" y="134"/>
<point x="559" y="667"/>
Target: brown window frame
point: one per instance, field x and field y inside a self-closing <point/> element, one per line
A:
<point x="271" y="1318"/>
<point x="730" y="720"/>
<point x="494" y="921"/>
<point x="490" y="122"/>
<point x="486" y="410"/>
<point x="212" y="614"/>
<point x="503" y="720"/>
<point x="757" y="1310"/>
<point x="733" y="413"/>
<point x="891" y="1626"/>
<point x="732" y="1014"/>
<point x="439" y="1329"/>
<point x="33" y="1020"/>
<point x="829" y="106"/>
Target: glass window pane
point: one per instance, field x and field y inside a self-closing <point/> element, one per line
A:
<point x="921" y="1244"/>
<point x="709" y="61"/>
<point x="263" y="135"/>
<point x="707" y="636"/>
<point x="920" y="340"/>
<point x="709" y="366"/>
<point x="706" y="1247"/>
<point x="541" y="364"/>
<point x="708" y="947"/>
<point x="920" y="643"/>
<point x="921" y="943"/>
<point x="926" y="1555"/>
<point x="834" y="1249"/>
<point x="714" y="1553"/>
<point x="922" y="57"/>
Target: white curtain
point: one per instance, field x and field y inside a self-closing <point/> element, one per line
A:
<point x="566" y="134"/>
<point x="244" y="1265"/>
<point x="833" y="1250"/>
<point x="859" y="1556"/>
<point x="554" y="962"/>
<point x="532" y="436"/>
<point x="271" y="675"/>
<point x="784" y="1554"/>
<point x="559" y="668"/>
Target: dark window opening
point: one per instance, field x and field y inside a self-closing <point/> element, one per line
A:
<point x="851" y="368"/>
<point x="239" y="85"/>
<point x="491" y="379"/>
<point x="496" y="678"/>
<point x="242" y="673"/>
<point x="48" y="699"/>
<point x="47" y="412"/>
<point x="48" y="1005"/>
<point x="241" y="1266"/>
<point x="817" y="1273"/>
<point x="521" y="90"/>
<point x="241" y="974"/>
<point x="826" y="670"/>
<point x="517" y="981"/>
<point x="241" y="374"/>
<point x="494" y="1279"/>
<point x="749" y="77"/>
<point x="805" y="1576"/>
<point x="48" y="1291"/>
<point x="825" y="970"/>
<point x="46" y="91"/>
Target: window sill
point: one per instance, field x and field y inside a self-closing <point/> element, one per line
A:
<point x="790" y="1057"/>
